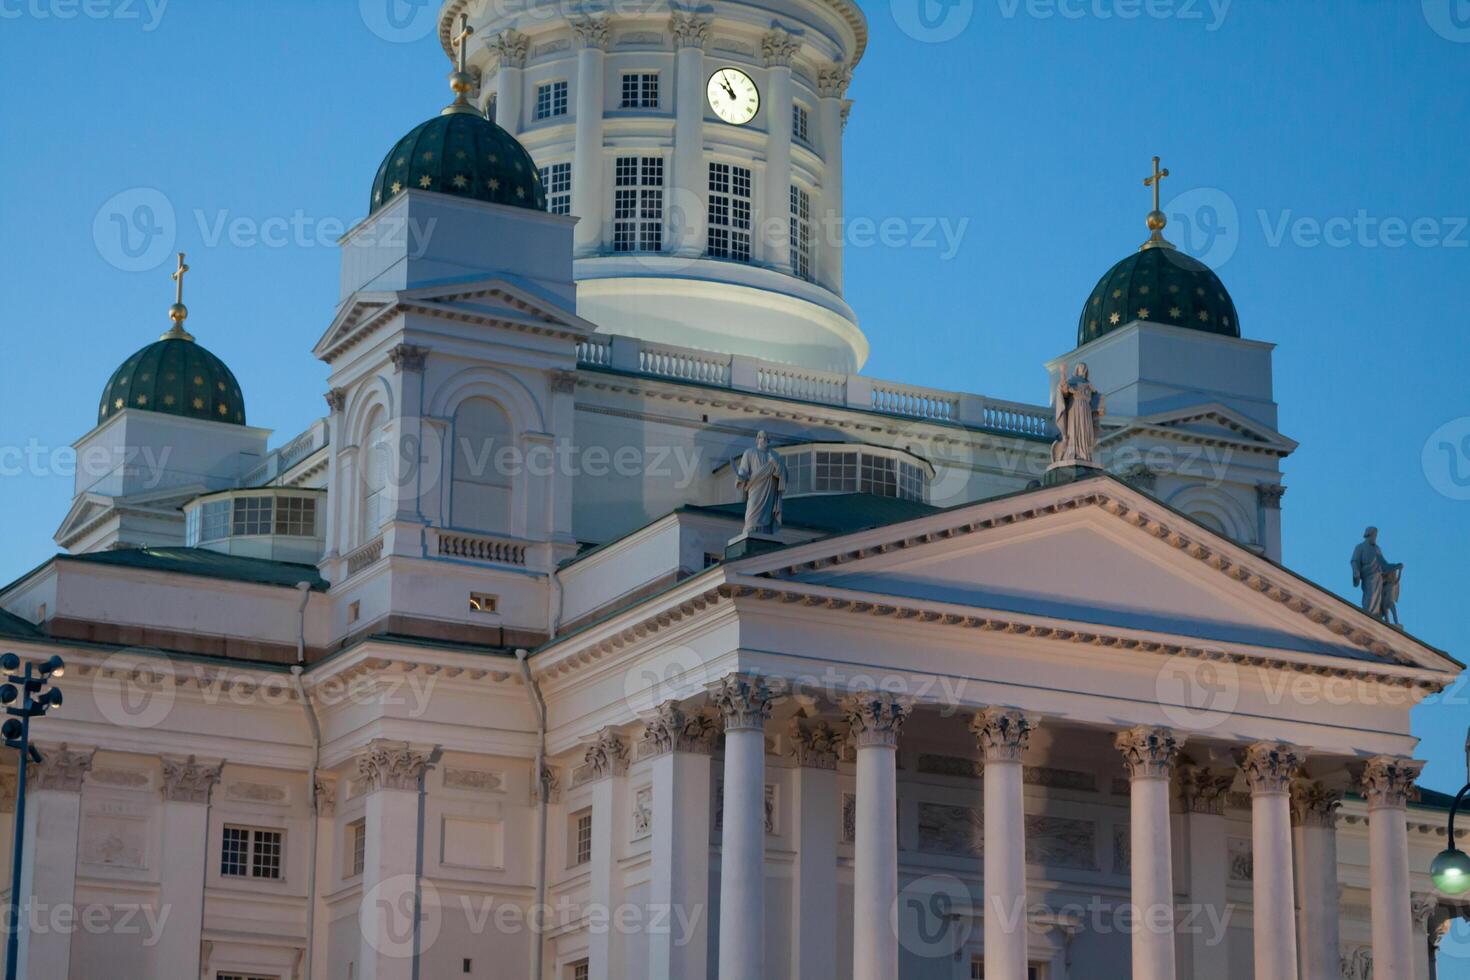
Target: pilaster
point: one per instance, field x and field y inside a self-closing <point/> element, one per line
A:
<point x="389" y="773"/>
<point x="187" y="786"/>
<point x="49" y="864"/>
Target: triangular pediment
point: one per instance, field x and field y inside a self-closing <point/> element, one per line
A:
<point x="1099" y="555"/>
<point x="1211" y="422"/>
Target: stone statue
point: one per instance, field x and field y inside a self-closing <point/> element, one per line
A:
<point x="1378" y="577"/>
<point x="1078" y="406"/>
<point x="760" y="474"/>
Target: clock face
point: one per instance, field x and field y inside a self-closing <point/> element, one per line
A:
<point x="733" y="96"/>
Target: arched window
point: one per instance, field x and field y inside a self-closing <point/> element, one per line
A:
<point x="485" y="459"/>
<point x="375" y="465"/>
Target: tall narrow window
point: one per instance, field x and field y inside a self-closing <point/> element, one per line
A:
<point x="581" y="837"/>
<point x="484" y="461"/>
<point x="799" y="122"/>
<point x="638" y="204"/>
<point x="557" y="179"/>
<point x="357" y="834"/>
<point x="801" y="232"/>
<point x="640" y="90"/>
<point x="729" y="212"/>
<point x="551" y="100"/>
<point x="375" y="460"/>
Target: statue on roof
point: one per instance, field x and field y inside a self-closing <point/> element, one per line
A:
<point x="760" y="474"/>
<point x="1079" y="409"/>
<point x="1378" y="577"/>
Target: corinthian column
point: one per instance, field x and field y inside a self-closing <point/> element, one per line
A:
<point x="48" y="881"/>
<point x="1386" y="783"/>
<point x="778" y="47"/>
<point x="510" y="48"/>
<point x="1149" y="754"/>
<point x="587" y="196"/>
<point x="691" y="173"/>
<point x="830" y="230"/>
<point x="1203" y="792"/>
<point x="874" y="722"/>
<point x="389" y="774"/>
<point x="187" y="785"/>
<point x="1269" y="769"/>
<point x="1004" y="734"/>
<point x="1314" y="823"/>
<point x="745" y="702"/>
<point x="815" y="806"/>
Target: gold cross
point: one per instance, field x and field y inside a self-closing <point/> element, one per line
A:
<point x="1156" y="181"/>
<point x="461" y="40"/>
<point x="178" y="277"/>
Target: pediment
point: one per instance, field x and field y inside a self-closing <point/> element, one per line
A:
<point x="1212" y="422"/>
<point x="85" y="510"/>
<point x="1098" y="555"/>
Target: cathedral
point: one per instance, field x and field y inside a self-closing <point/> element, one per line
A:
<point x="610" y="624"/>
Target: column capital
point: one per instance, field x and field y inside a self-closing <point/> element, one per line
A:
<point x="551" y="779"/>
<point x="591" y="32"/>
<point x="1423" y="906"/>
<point x="408" y="357"/>
<point x="607" y="755"/>
<point x="391" y="765"/>
<point x="188" y="780"/>
<point x="511" y="47"/>
<point x="1387" y="780"/>
<point x="778" y="47"/>
<point x="336" y="400"/>
<point x="672" y="729"/>
<point x="833" y="79"/>
<point x="1204" y="790"/>
<point x="875" y="718"/>
<point x="563" y="382"/>
<point x="1004" y="733"/>
<point x="815" y="745"/>
<point x="689" y="30"/>
<point x="1313" y="804"/>
<point x="324" y="792"/>
<point x="1270" y="767"/>
<point x="61" y="768"/>
<point x="1269" y="495"/>
<point x="744" y="700"/>
<point x="1148" y="751"/>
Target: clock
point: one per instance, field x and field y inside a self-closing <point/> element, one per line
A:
<point x="733" y="96"/>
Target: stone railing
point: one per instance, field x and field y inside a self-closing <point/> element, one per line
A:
<point x="480" y="547"/>
<point x="741" y="373"/>
<point x="364" y="556"/>
<point x="278" y="461"/>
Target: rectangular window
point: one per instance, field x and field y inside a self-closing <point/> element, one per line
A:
<point x="582" y="837"/>
<point x="484" y="602"/>
<point x="581" y="970"/>
<point x="910" y="482"/>
<point x="296" y="516"/>
<point x="638" y="204"/>
<point x="557" y="179"/>
<point x="551" y="100"/>
<point x="253" y="515"/>
<point x="977" y="970"/>
<point x="729" y="212"/>
<point x="799" y="472"/>
<point x="879" y="476"/>
<point x="801" y="232"/>
<point x="799" y="122"/>
<point x="836" y="472"/>
<point x="251" y="853"/>
<point x="216" y="522"/>
<point x="357" y="834"/>
<point x="640" y="90"/>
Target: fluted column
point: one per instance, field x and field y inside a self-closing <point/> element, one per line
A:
<point x="1149" y="755"/>
<point x="687" y="206"/>
<point x="1314" y="823"/>
<point x="815" y="808"/>
<point x="587" y="193"/>
<point x="1269" y="769"/>
<point x="829" y="229"/>
<point x="1203" y="793"/>
<point x="389" y="774"/>
<point x="1386" y="782"/>
<point x="745" y="702"/>
<point x="875" y="721"/>
<point x="778" y="47"/>
<point x="680" y="743"/>
<point x="187" y="785"/>
<point x="49" y="864"/>
<point x="1004" y="734"/>
<point x="510" y="48"/>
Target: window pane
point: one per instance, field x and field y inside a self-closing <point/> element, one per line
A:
<point x="729" y="212"/>
<point x="638" y="204"/>
<point x="266" y="858"/>
<point x="557" y="179"/>
<point x="801" y="232"/>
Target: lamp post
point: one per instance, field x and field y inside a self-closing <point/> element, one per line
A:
<point x="34" y="702"/>
<point x="1451" y="867"/>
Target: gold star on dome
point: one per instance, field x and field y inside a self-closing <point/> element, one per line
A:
<point x="518" y="166"/>
<point x="1143" y="313"/>
<point x="1114" y="319"/>
<point x="377" y="197"/>
<point x="199" y="379"/>
<point x="1117" y="293"/>
<point x="425" y="181"/>
<point x="199" y="403"/>
<point x="1143" y="290"/>
<point x="1199" y="290"/>
<point x="224" y="409"/>
<point x="145" y="377"/>
<point x="1091" y="324"/>
<point x="170" y="376"/>
<point x="1175" y="312"/>
<point x="142" y="399"/>
<point x="428" y="155"/>
<point x="396" y="187"/>
<point x="1173" y="287"/>
<point x="1225" y="320"/>
<point x="460" y="181"/>
<point x="118" y="403"/>
<point x="123" y="381"/>
<point x="494" y="158"/>
<point x="459" y="155"/>
<point x="168" y="399"/>
<point x="520" y="192"/>
<point x="1096" y="300"/>
<point x="400" y="162"/>
<point x="1204" y="315"/>
<point x="494" y="184"/>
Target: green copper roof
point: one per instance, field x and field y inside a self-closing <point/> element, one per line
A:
<point x="839" y="512"/>
<point x="460" y="153"/>
<point x="207" y="564"/>
<point x="175" y="376"/>
<point x="1162" y="285"/>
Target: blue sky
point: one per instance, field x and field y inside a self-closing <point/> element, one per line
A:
<point x="1318" y="152"/>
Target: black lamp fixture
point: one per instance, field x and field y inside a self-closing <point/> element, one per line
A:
<point x="1451" y="867"/>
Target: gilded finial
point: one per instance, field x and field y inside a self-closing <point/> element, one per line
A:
<point x="178" y="313"/>
<point x="460" y="80"/>
<point x="1156" y="218"/>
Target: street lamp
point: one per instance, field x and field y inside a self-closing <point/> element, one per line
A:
<point x="34" y="702"/>
<point x="1451" y="867"/>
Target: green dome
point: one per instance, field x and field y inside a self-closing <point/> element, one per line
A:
<point x="462" y="153"/>
<point x="1162" y="285"/>
<point x="176" y="376"/>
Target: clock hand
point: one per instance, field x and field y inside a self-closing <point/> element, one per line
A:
<point x="725" y="81"/>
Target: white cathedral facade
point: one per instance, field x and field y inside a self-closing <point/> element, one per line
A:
<point x="477" y="676"/>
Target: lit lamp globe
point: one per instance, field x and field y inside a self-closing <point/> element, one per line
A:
<point x="1451" y="871"/>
